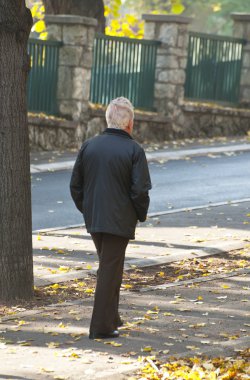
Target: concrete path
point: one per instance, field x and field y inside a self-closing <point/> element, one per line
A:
<point x="209" y="318"/>
<point x="181" y="319"/>
<point x="162" y="239"/>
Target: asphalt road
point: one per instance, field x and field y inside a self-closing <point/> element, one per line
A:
<point x="176" y="184"/>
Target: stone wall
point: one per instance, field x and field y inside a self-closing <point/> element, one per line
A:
<point x="171" y="60"/>
<point x="77" y="35"/>
<point x="201" y="120"/>
<point x="213" y="120"/>
<point x="49" y="133"/>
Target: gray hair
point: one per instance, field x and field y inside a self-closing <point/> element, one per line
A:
<point x="119" y="113"/>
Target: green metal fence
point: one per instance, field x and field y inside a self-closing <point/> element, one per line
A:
<point x="213" y="68"/>
<point x="123" y="67"/>
<point x="42" y="82"/>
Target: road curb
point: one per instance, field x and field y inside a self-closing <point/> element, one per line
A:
<point x="196" y="280"/>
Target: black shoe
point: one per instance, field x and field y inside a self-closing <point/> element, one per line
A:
<point x="111" y="335"/>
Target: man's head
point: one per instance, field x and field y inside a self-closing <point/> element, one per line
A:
<point x="120" y="114"/>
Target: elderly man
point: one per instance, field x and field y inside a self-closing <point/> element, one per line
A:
<point x="109" y="185"/>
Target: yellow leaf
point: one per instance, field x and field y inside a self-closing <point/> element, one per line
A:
<point x="146" y="349"/>
<point x="64" y="269"/>
<point x="127" y="362"/>
<point x="39" y="26"/>
<point x="177" y="9"/>
<point x="74" y="355"/>
<point x="117" y="344"/>
<point x="61" y="325"/>
<point x="39" y="237"/>
<point x="89" y="291"/>
<point x="152" y="312"/>
<point x="127" y="286"/>
<point x="43" y="36"/>
<point x="34" y="10"/>
<point x="21" y="323"/>
<point x="233" y="337"/>
<point x="55" y="286"/>
<point x="225" y="286"/>
<point x="60" y="251"/>
<point x="161" y="274"/>
<point x="107" y="11"/>
<point x="89" y="267"/>
<point x="81" y="284"/>
<point x="199" y="298"/>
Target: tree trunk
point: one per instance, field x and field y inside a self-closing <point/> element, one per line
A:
<point x="87" y="8"/>
<point x="16" y="264"/>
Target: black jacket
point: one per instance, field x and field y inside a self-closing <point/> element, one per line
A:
<point x="110" y="183"/>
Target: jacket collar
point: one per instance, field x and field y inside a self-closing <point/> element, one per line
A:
<point x="119" y="132"/>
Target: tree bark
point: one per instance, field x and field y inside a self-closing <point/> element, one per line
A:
<point x="16" y="264"/>
<point x="87" y="8"/>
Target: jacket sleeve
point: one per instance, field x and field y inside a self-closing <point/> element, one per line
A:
<point x="77" y="181"/>
<point x="140" y="186"/>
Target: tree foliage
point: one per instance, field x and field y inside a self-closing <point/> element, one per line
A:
<point x="39" y="27"/>
<point x="123" y="18"/>
<point x="87" y="8"/>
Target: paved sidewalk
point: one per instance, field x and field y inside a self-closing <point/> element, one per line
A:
<point x="210" y="318"/>
<point x="64" y="160"/>
<point x="162" y="239"/>
<point x="184" y="319"/>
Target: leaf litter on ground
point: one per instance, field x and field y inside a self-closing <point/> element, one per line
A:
<point x="137" y="278"/>
<point x="195" y="368"/>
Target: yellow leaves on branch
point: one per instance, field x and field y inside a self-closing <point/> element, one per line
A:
<point x="128" y="26"/>
<point x="38" y="12"/>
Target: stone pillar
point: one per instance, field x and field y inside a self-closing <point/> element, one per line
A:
<point x="171" y="62"/>
<point x="75" y="60"/>
<point x="242" y="30"/>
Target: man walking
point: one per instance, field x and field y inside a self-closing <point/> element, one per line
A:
<point x="109" y="185"/>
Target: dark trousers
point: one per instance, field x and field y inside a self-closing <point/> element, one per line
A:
<point x="111" y="252"/>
